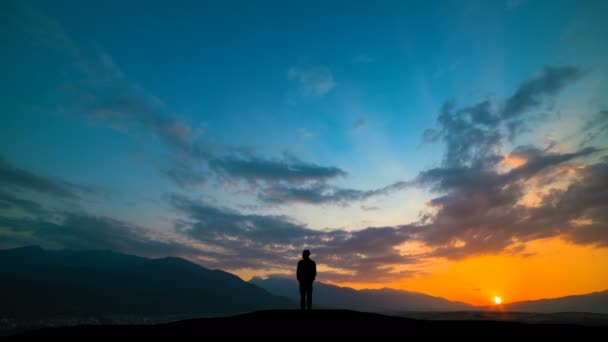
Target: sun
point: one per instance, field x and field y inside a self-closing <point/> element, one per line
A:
<point x="497" y="300"/>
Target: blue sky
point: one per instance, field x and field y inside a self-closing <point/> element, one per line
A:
<point x="312" y="113"/>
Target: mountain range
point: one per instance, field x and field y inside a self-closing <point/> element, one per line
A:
<point x="40" y="284"/>
<point x="37" y="283"/>
<point x="596" y="302"/>
<point x="382" y="300"/>
<point x="392" y="300"/>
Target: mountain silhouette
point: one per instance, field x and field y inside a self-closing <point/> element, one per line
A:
<point x="382" y="300"/>
<point x="596" y="302"/>
<point x="319" y="324"/>
<point x="38" y="284"/>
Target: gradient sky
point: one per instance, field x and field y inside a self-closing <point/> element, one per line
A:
<point x="456" y="148"/>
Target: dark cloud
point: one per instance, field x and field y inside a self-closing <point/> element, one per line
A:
<point x="546" y="83"/>
<point x="275" y="242"/>
<point x="466" y="141"/>
<point x="475" y="134"/>
<point x="586" y="200"/>
<point x="321" y="193"/>
<point x="18" y="179"/>
<point x="85" y="232"/>
<point x="481" y="206"/>
<point x="596" y="127"/>
<point x="289" y="169"/>
<point x="230" y="239"/>
<point x="186" y="175"/>
<point x="480" y="210"/>
<point x="10" y="201"/>
<point x="482" y="113"/>
<point x="538" y="160"/>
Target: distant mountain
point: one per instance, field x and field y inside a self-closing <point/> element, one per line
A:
<point x="36" y="283"/>
<point x="384" y="300"/>
<point x="596" y="302"/>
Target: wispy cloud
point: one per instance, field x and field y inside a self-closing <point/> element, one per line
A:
<point x="81" y="231"/>
<point x="223" y="238"/>
<point x="322" y="193"/>
<point x="546" y="83"/>
<point x="312" y="81"/>
<point x="253" y="169"/>
<point x="595" y="128"/>
<point x="19" y="179"/>
<point x="275" y="242"/>
<point x="359" y="124"/>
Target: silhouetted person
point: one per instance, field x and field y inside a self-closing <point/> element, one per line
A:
<point x="307" y="271"/>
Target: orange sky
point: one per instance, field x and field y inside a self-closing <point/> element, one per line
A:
<point x="555" y="268"/>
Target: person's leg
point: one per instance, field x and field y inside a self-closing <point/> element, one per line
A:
<point x="302" y="294"/>
<point x="309" y="296"/>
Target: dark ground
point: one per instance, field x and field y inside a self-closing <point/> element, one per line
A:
<point x="290" y="324"/>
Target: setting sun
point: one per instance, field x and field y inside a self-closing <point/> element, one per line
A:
<point x="497" y="300"/>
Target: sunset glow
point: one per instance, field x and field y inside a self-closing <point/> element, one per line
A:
<point x="458" y="149"/>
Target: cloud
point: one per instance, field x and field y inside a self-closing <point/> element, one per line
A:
<point x="467" y="141"/>
<point x="321" y="193"/>
<point x="313" y="81"/>
<point x="126" y="106"/>
<point x="18" y="179"/>
<point x="475" y="134"/>
<point x="488" y="217"/>
<point x="216" y="237"/>
<point x="10" y="201"/>
<point x="86" y="232"/>
<point x="596" y="127"/>
<point x="483" y="204"/>
<point x="546" y="83"/>
<point x="275" y="242"/>
<point x="100" y="91"/>
<point x="359" y="124"/>
<point x="254" y="169"/>
<point x="185" y="175"/>
<point x="369" y="208"/>
<point x="584" y="205"/>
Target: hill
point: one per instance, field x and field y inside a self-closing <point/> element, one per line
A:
<point x="322" y="324"/>
<point x="596" y="302"/>
<point x="383" y="300"/>
<point x="41" y="284"/>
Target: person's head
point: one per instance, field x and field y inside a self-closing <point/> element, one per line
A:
<point x="306" y="254"/>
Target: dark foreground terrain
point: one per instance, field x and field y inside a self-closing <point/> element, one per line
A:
<point x="320" y="324"/>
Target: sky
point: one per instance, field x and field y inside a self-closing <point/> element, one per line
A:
<point x="456" y="148"/>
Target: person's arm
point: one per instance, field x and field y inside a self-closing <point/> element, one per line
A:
<point x="314" y="270"/>
<point x="299" y="270"/>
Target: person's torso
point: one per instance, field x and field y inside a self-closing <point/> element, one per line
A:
<point x="307" y="269"/>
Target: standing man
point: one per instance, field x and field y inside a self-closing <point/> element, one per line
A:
<point x="307" y="271"/>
